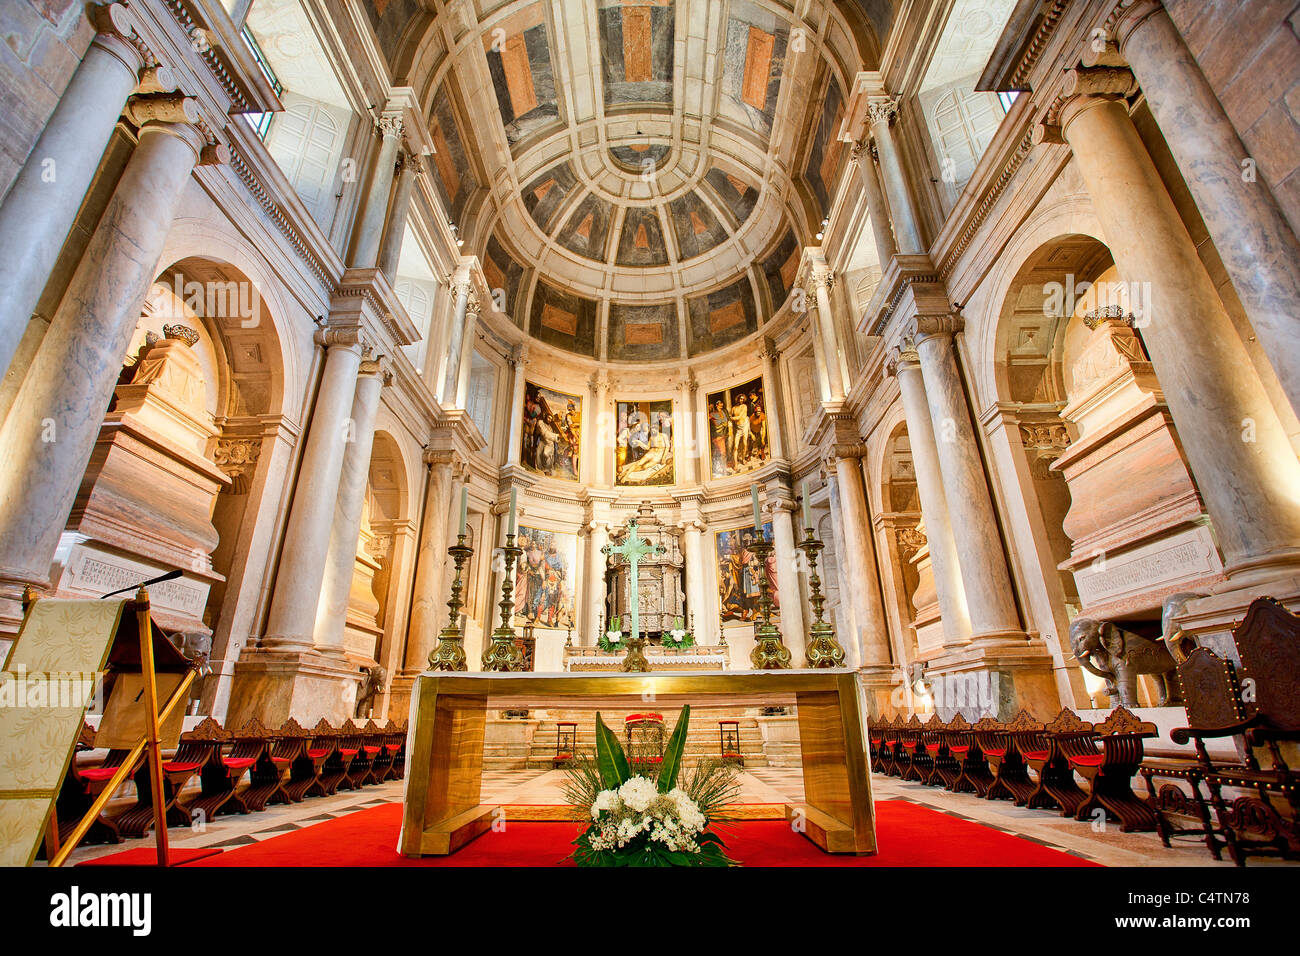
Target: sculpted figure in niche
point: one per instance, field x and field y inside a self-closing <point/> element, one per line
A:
<point x="1119" y="656"/>
<point x="372" y="684"/>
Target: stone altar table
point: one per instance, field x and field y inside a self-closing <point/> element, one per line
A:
<point x="442" y="808"/>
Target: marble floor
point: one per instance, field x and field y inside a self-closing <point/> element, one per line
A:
<point x="767" y="785"/>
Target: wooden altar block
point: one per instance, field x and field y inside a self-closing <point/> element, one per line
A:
<point x="443" y="801"/>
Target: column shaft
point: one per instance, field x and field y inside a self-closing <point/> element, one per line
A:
<point x="989" y="598"/>
<point x="57" y="414"/>
<point x="390" y="250"/>
<point x="902" y="213"/>
<point x="1244" y="465"/>
<point x="787" y="582"/>
<point x="871" y="642"/>
<point x="298" y="581"/>
<point x="457" y="336"/>
<point x="340" y="562"/>
<point x="934" y="501"/>
<point x="830" y="341"/>
<point x="466" y="365"/>
<point x="1257" y="244"/>
<point x="432" y="563"/>
<point x="43" y="201"/>
<point x="370" y="220"/>
<point x="597" y="534"/>
<point x="877" y="210"/>
<point x="771" y="402"/>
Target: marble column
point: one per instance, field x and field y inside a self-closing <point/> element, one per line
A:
<point x="787" y="579"/>
<point x="771" y="399"/>
<point x="466" y="364"/>
<point x="43" y="201"/>
<point x="432" y="587"/>
<point x="905" y="366"/>
<point x="1257" y="244"/>
<point x="56" y="416"/>
<point x="597" y="538"/>
<point x="602" y="453"/>
<point x="341" y="558"/>
<point x="1245" y="468"/>
<point x="369" y="229"/>
<point x="871" y="642"/>
<point x="820" y="365"/>
<point x="689" y="425"/>
<point x="877" y="210"/>
<point x="455" y="340"/>
<point x="821" y="282"/>
<point x="298" y="580"/>
<point x="989" y="598"/>
<point x="390" y="250"/>
<point x="902" y="212"/>
<point x="517" y="360"/>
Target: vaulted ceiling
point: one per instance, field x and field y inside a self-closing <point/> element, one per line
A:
<point x="639" y="176"/>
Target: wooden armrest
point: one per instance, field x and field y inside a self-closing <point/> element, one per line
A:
<point x="1273" y="733"/>
<point x="1182" y="735"/>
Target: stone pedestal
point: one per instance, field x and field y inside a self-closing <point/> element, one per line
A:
<point x="274" y="685"/>
<point x="997" y="681"/>
<point x="927" y="622"/>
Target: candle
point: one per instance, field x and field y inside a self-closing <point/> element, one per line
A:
<point x="807" y="513"/>
<point x="758" y="517"/>
<point x="464" y="509"/>
<point x="514" y="503"/>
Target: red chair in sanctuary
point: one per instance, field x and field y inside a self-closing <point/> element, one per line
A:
<point x="306" y="773"/>
<point x="352" y="748"/>
<point x="268" y="775"/>
<point x="188" y="760"/>
<point x="910" y="748"/>
<point x="941" y="769"/>
<point x="1048" y="755"/>
<point x="972" y="768"/>
<point x="221" y="772"/>
<point x="1109" y="772"/>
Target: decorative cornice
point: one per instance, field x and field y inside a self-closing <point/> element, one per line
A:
<point x="1051" y="18"/>
<point x="991" y="196"/>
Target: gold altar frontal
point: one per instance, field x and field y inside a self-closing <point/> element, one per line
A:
<point x="442" y="807"/>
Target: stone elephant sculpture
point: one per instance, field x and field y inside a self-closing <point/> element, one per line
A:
<point x="197" y="646"/>
<point x="1176" y="640"/>
<point x="1119" y="656"/>
<point x="372" y="684"/>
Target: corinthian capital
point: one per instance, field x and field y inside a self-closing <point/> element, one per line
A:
<point x="902" y="356"/>
<point x="390" y="124"/>
<point x="820" y="279"/>
<point x="882" y="110"/>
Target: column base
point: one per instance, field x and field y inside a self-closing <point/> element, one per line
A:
<point x="994" y="678"/>
<point x="274" y="685"/>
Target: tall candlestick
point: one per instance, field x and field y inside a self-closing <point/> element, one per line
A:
<point x="758" y="517"/>
<point x="514" y="503"/>
<point x="464" y="509"/>
<point x="807" y="513"/>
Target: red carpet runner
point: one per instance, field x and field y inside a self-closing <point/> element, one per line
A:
<point x="910" y="835"/>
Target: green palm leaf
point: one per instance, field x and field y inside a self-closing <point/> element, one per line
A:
<point x="673" y="755"/>
<point x="610" y="759"/>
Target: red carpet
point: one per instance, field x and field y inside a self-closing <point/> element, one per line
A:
<point x="909" y="835"/>
<point x="148" y="856"/>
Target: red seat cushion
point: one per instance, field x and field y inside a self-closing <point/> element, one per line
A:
<point x="909" y="744"/>
<point x="171" y="766"/>
<point x="371" y="751"/>
<point x="279" y="760"/>
<point x="98" y="773"/>
<point x="317" y="754"/>
<point x="348" y="752"/>
<point x="959" y="749"/>
<point x="564" y="756"/>
<point x="392" y="748"/>
<point x="239" y="763"/>
<point x="1035" y="754"/>
<point x="1087" y="760"/>
<point x="996" y="753"/>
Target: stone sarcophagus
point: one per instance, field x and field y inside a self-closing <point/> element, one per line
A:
<point x="1138" y="529"/>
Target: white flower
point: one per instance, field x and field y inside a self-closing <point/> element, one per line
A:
<point x="614" y="636"/>
<point x="637" y="794"/>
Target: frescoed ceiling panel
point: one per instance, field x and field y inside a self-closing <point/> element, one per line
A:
<point x="586" y="231"/>
<point x="523" y="74"/>
<point x="563" y="320"/>
<point x="721" y="317"/>
<point x="643" y="332"/>
<point x="641" y="242"/>
<point x="826" y="152"/>
<point x="636" y="51"/>
<point x="751" y="78"/>
<point x="453" y="174"/>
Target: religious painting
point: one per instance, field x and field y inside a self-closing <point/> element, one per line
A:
<point x="544" y="578"/>
<point x="552" y="432"/>
<point x="644" y="449"/>
<point x="738" y="438"/>
<point x="740" y="573"/>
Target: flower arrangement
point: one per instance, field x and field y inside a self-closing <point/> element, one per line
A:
<point x="646" y="818"/>
<point x="677" y="637"/>
<point x="611" y="641"/>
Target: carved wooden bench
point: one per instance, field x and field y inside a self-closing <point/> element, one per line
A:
<point x="307" y="773"/>
<point x="222" y="771"/>
<point x="943" y="769"/>
<point x="972" y="768"/>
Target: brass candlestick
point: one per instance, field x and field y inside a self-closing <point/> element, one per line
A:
<point x="503" y="654"/>
<point x="823" y="649"/>
<point x="769" y="652"/>
<point x="449" y="655"/>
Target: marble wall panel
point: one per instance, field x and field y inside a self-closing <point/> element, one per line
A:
<point x="736" y="196"/>
<point x="453" y="175"/>
<point x="721" y="317"/>
<point x="641" y="243"/>
<point x="519" y="60"/>
<point x="566" y="321"/>
<point x="636" y="51"/>
<point x="696" y="227"/>
<point x="826" y="154"/>
<point x="544" y="195"/>
<point x="781" y="268"/>
<point x="647" y="332"/>
<point x="587" y="230"/>
<point x="504" y="273"/>
<point x="752" y="61"/>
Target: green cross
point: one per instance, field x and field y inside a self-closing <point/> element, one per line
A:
<point x="632" y="551"/>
